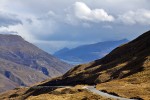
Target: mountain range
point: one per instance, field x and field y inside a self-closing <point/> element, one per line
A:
<point x="89" y="52"/>
<point x="124" y="72"/>
<point x="22" y="63"/>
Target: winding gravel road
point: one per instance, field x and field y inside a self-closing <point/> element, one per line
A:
<point x="89" y="88"/>
<point x="94" y="90"/>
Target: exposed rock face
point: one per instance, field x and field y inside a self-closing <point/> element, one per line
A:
<point x="22" y="63"/>
<point x="124" y="61"/>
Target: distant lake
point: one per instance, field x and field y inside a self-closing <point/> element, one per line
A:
<point x="72" y="62"/>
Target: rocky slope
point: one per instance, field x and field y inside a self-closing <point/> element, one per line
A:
<point x="22" y="63"/>
<point x="87" y="53"/>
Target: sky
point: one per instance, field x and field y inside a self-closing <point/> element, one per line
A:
<point x="54" y="24"/>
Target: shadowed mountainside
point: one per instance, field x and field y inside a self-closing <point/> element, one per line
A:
<point x="122" y="62"/>
<point x="22" y="63"/>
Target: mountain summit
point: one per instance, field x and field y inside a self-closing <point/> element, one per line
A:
<point x="22" y="63"/>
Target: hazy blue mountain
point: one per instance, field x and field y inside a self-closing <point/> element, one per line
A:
<point x="63" y="50"/>
<point x="86" y="53"/>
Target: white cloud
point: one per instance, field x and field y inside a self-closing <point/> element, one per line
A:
<point x="4" y="30"/>
<point x="140" y="16"/>
<point x="80" y="12"/>
<point x="35" y="28"/>
<point x="83" y="12"/>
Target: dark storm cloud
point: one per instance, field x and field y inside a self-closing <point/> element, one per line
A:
<point x="7" y="19"/>
<point x="95" y="33"/>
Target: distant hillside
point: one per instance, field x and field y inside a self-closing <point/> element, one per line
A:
<point x="22" y="63"/>
<point x="87" y="53"/>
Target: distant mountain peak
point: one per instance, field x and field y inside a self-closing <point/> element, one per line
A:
<point x="10" y="37"/>
<point x="65" y="49"/>
<point x="89" y="52"/>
